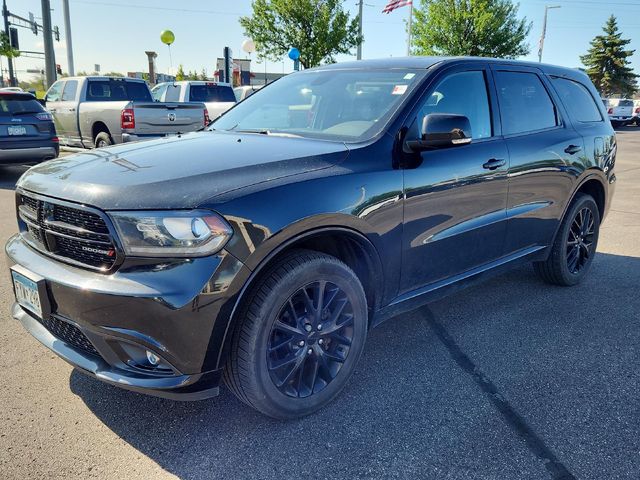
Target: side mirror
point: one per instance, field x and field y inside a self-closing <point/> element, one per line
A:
<point x="442" y="130"/>
<point x="43" y="101"/>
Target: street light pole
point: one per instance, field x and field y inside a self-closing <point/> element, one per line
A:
<point x="359" y="56"/>
<point x="67" y="31"/>
<point x="544" y="30"/>
<point x="49" y="54"/>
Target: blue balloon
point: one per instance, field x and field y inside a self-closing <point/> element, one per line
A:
<point x="294" y="53"/>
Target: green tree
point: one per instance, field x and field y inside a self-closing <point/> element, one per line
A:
<point x="6" y="50"/>
<point x="180" y="73"/>
<point x="193" y="75"/>
<point x="320" y="29"/>
<point x="607" y="62"/>
<point x="113" y="74"/>
<point x="481" y="28"/>
<point x="203" y="75"/>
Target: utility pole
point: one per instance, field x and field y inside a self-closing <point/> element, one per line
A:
<point x="409" y="23"/>
<point x="49" y="54"/>
<point x="359" y="57"/>
<point x="544" y="30"/>
<point x="67" y="32"/>
<point x="5" y="14"/>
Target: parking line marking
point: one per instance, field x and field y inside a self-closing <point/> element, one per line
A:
<point x="513" y="419"/>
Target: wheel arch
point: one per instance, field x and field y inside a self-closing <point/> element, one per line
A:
<point x="99" y="127"/>
<point x="347" y="244"/>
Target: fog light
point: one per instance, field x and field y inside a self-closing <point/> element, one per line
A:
<point x="153" y="358"/>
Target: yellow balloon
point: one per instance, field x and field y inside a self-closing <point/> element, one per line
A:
<point x="167" y="37"/>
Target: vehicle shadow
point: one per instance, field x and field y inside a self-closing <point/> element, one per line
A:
<point x="409" y="411"/>
<point x="9" y="175"/>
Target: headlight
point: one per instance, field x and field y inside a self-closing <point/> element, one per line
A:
<point x="195" y="233"/>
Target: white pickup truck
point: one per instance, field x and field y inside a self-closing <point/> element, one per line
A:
<point x="620" y="111"/>
<point x="218" y="97"/>
<point x="100" y="111"/>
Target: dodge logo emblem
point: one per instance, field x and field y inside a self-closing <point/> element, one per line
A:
<point x="172" y="117"/>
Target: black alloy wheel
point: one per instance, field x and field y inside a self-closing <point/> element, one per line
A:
<point x="302" y="328"/>
<point x="310" y="339"/>
<point x="580" y="245"/>
<point x="574" y="246"/>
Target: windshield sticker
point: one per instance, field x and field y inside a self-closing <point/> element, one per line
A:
<point x="399" y="90"/>
<point x="409" y="76"/>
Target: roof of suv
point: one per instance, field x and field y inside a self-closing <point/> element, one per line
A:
<point x="426" y="62"/>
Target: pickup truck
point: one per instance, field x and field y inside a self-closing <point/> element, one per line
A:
<point x="218" y="97"/>
<point x="100" y="111"/>
<point x="620" y="111"/>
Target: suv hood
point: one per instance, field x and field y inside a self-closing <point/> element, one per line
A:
<point x="178" y="172"/>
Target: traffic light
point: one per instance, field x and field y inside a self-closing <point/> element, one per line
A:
<point x="34" y="25"/>
<point x="58" y="69"/>
<point x="13" y="38"/>
<point x="56" y="33"/>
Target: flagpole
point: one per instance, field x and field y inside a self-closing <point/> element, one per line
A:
<point x="409" y="34"/>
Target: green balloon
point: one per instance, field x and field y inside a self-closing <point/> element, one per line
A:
<point x="167" y="37"/>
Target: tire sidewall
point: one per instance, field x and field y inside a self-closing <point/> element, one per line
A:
<point x="582" y="202"/>
<point x="277" y="402"/>
<point x="103" y="137"/>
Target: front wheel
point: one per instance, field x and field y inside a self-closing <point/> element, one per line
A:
<point x="302" y="331"/>
<point x="575" y="244"/>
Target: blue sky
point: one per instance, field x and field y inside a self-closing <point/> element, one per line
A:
<point x="116" y="33"/>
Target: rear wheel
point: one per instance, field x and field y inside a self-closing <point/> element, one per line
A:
<point x="103" y="139"/>
<point x="575" y="244"/>
<point x="301" y="334"/>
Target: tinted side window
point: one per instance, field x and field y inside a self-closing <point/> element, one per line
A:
<point x="525" y="105"/>
<point x="463" y="93"/>
<point x="578" y="100"/>
<point x="69" y="92"/>
<point x="55" y="92"/>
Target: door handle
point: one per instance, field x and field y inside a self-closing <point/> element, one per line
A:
<point x="52" y="110"/>
<point x="494" y="163"/>
<point x="72" y="109"/>
<point x="572" y="149"/>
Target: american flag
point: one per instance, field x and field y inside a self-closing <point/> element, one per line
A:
<point x="393" y="4"/>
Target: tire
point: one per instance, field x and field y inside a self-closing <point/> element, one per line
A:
<point x="103" y="139"/>
<point x="294" y="368"/>
<point x="574" y="248"/>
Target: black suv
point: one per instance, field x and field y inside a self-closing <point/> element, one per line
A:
<point x="27" y="132"/>
<point x="263" y="249"/>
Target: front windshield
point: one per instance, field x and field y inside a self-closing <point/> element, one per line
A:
<point x="344" y="105"/>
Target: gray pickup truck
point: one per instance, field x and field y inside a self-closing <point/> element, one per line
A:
<point x="100" y="111"/>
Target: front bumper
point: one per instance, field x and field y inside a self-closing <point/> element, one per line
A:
<point x="179" y="310"/>
<point x="28" y="155"/>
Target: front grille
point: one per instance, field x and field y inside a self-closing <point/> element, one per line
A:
<point x="76" y="234"/>
<point x="68" y="333"/>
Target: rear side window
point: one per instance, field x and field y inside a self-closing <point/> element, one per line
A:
<point x="18" y="104"/>
<point x="55" y="92"/>
<point x="463" y="93"/>
<point x="525" y="105"/>
<point x="117" y="90"/>
<point x="69" y="92"/>
<point x="578" y="100"/>
<point x="211" y="93"/>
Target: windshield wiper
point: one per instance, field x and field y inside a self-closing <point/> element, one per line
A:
<point x="253" y="130"/>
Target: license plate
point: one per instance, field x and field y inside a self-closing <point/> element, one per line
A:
<point x="27" y="293"/>
<point x="17" y="130"/>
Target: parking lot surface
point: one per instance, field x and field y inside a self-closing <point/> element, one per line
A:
<point x="509" y="379"/>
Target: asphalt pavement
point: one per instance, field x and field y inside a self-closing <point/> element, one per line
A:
<point x="512" y="379"/>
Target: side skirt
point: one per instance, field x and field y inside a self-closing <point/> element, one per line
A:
<point x="434" y="291"/>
